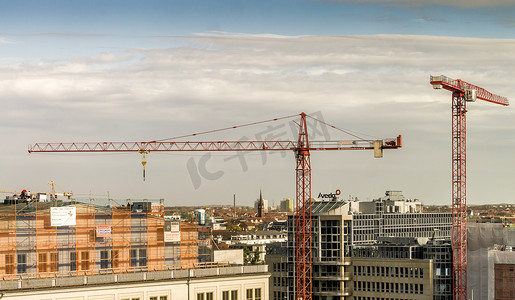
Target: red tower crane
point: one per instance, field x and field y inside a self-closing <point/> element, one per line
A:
<point x="301" y="148"/>
<point x="462" y="92"/>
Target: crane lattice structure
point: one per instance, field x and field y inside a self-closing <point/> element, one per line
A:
<point x="462" y="92"/>
<point x="301" y="148"/>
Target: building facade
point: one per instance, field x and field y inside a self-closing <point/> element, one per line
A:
<point x="229" y="283"/>
<point x="287" y="205"/>
<point x="72" y="238"/>
<point x="337" y="226"/>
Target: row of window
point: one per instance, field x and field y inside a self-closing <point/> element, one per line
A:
<point x="280" y="267"/>
<point x="389" y="271"/>
<point x="48" y="262"/>
<point x="389" y="287"/>
<point x="280" y="281"/>
<point x="420" y="219"/>
<point x="279" y="296"/>
<point x="150" y="298"/>
<point x="433" y="217"/>
<point x="377" y="298"/>
<point x="205" y="296"/>
<point x="415" y="228"/>
<point x="251" y="294"/>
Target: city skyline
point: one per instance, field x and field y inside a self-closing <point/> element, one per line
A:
<point x="131" y="71"/>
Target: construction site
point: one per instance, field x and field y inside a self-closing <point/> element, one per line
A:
<point x="64" y="238"/>
<point x="82" y="238"/>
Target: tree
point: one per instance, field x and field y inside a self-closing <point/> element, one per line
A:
<point x="250" y="257"/>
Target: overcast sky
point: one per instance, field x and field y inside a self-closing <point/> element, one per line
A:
<point x="146" y="70"/>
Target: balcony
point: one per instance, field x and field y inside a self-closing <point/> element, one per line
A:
<point x="340" y="262"/>
<point x="345" y="292"/>
<point x="346" y="276"/>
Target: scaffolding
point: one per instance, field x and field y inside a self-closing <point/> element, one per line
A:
<point x="188" y="245"/>
<point x="77" y="238"/>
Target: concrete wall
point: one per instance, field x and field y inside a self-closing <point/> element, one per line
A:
<point x="232" y="256"/>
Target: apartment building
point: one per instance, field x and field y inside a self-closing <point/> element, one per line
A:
<point x="74" y="238"/>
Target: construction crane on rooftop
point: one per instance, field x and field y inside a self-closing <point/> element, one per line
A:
<point x="462" y="92"/>
<point x="301" y="147"/>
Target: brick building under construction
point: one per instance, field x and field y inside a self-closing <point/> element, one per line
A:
<point x="82" y="238"/>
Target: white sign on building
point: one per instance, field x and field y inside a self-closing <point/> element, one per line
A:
<point x="172" y="231"/>
<point x="63" y="216"/>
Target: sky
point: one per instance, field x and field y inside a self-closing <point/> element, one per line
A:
<point x="95" y="71"/>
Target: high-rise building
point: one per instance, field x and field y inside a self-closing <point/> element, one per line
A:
<point x="287" y="205"/>
<point x="338" y="226"/>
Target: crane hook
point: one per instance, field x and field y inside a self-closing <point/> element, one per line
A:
<point x="143" y="161"/>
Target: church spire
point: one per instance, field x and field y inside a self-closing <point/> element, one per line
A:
<point x="260" y="206"/>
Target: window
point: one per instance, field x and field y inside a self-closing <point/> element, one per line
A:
<point x="257" y="294"/>
<point x="134" y="258"/>
<point x="142" y="257"/>
<point x="116" y="259"/>
<point x="73" y="261"/>
<point x="138" y="257"/>
<point x="22" y="263"/>
<point x="9" y="264"/>
<point x="42" y="262"/>
<point x="53" y="262"/>
<point x="233" y="293"/>
<point x="84" y="263"/>
<point x="159" y="298"/>
<point x="104" y="260"/>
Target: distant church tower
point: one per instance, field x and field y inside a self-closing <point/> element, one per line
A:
<point x="260" y="206"/>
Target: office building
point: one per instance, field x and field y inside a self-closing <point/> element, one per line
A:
<point x="338" y="226"/>
<point x="287" y="205"/>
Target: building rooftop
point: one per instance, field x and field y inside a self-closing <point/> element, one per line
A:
<point x="59" y="282"/>
<point x="325" y="206"/>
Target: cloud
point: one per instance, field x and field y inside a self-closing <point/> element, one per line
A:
<point x="66" y="35"/>
<point x="375" y="84"/>
<point x="456" y="3"/>
<point x="5" y="41"/>
<point x="243" y="35"/>
<point x="429" y="19"/>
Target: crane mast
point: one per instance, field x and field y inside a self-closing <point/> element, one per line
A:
<point x="303" y="215"/>
<point x="462" y="92"/>
<point x="301" y="148"/>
